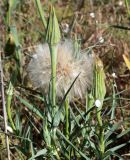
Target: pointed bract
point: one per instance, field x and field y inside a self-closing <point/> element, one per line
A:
<point x="53" y="31"/>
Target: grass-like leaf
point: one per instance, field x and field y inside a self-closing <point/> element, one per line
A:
<point x="73" y="146"/>
<point x="31" y="107"/>
<point x="111" y="131"/>
<point x="42" y="153"/>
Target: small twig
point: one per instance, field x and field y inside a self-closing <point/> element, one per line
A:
<point x="4" y="110"/>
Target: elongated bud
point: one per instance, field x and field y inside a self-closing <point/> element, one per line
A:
<point x="99" y="94"/>
<point x="53" y="31"/>
<point x="99" y="81"/>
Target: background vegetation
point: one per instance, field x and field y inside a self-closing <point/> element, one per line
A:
<point x="99" y="25"/>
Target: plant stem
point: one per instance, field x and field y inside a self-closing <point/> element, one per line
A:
<point x="89" y="103"/>
<point x="40" y="10"/>
<point x="4" y="110"/>
<point x="113" y="102"/>
<point x="99" y="92"/>
<point x="127" y="7"/>
<point x="67" y="117"/>
<point x="99" y="118"/>
<point x="53" y="51"/>
<point x="101" y="133"/>
<point x="8" y="15"/>
<point x="9" y="99"/>
<point x="67" y="120"/>
<point x="101" y="145"/>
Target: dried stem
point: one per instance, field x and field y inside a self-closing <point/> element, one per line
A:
<point x="4" y="110"/>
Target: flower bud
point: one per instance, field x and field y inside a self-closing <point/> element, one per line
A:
<point x="53" y="32"/>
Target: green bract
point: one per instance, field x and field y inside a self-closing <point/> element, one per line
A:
<point x="53" y="32"/>
<point x="99" y="81"/>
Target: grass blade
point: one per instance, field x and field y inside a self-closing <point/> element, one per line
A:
<point x="42" y="152"/>
<point x="31" y="107"/>
<point x="40" y="10"/>
<point x="81" y="153"/>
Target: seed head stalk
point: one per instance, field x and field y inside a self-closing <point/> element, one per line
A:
<point x="53" y="51"/>
<point x="99" y="92"/>
<point x="67" y="117"/>
<point x="53" y="38"/>
<point x="4" y="109"/>
<point x="17" y="72"/>
<point x="67" y="124"/>
<point x="41" y="13"/>
<point x="9" y="99"/>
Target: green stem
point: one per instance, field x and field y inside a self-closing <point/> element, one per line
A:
<point x="9" y="98"/>
<point x="99" y="118"/>
<point x="113" y="103"/>
<point x="101" y="133"/>
<point x="102" y="145"/>
<point x="67" y="117"/>
<point x="99" y="94"/>
<point x="67" y="121"/>
<point x="53" y="51"/>
<point x="127" y="6"/>
<point x="40" y="10"/>
<point x="89" y="103"/>
<point x="8" y="15"/>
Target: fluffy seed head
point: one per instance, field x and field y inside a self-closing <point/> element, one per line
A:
<point x="68" y="68"/>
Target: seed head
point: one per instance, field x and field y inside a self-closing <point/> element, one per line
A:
<point x="68" y="68"/>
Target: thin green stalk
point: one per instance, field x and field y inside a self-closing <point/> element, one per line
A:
<point x="11" y="5"/>
<point x="99" y="92"/>
<point x="99" y="117"/>
<point x="57" y="156"/>
<point x="16" y="73"/>
<point x="67" y="117"/>
<point x="113" y="102"/>
<point x="40" y="10"/>
<point x="89" y="103"/>
<point x="127" y="6"/>
<point x="9" y="99"/>
<point x="10" y="89"/>
<point x="67" y="120"/>
<point x="101" y="133"/>
<point x="8" y="16"/>
<point x="4" y="109"/>
<point x="53" y="50"/>
<point x="102" y="142"/>
<point x="53" y="38"/>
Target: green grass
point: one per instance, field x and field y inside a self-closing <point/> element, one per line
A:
<point x="45" y="127"/>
